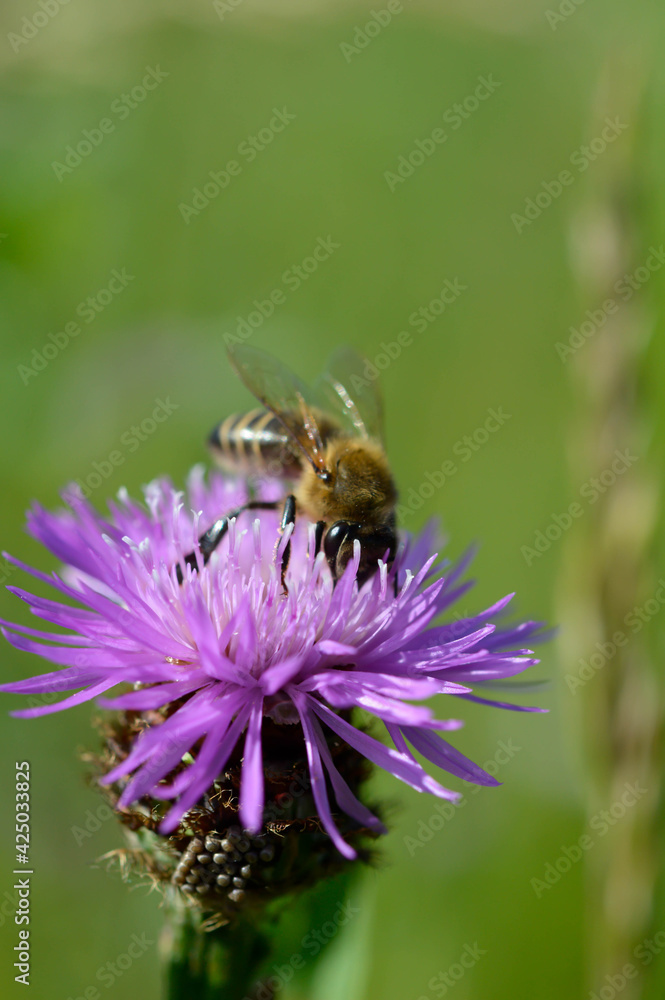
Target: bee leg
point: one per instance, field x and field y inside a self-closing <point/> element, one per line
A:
<point x="395" y="585"/>
<point x="288" y="517"/>
<point x="211" y="538"/>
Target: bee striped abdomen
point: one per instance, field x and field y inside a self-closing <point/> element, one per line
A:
<point x="254" y="441"/>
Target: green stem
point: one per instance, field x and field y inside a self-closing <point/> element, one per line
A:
<point x="212" y="965"/>
<point x="611" y="568"/>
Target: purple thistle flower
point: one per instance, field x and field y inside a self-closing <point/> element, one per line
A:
<point x="228" y="648"/>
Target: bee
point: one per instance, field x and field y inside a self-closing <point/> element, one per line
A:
<point x="327" y="442"/>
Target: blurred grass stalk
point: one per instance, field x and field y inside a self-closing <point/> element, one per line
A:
<point x="609" y="556"/>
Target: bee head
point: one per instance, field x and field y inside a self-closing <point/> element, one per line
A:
<point x="375" y="543"/>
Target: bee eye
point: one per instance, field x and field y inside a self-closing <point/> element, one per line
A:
<point x="334" y="538"/>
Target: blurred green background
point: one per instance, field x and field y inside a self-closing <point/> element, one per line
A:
<point x="360" y="100"/>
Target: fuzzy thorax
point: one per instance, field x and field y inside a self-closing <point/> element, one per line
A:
<point x="361" y="488"/>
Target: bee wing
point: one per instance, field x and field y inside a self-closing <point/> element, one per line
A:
<point x="284" y="394"/>
<point x="346" y="391"/>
